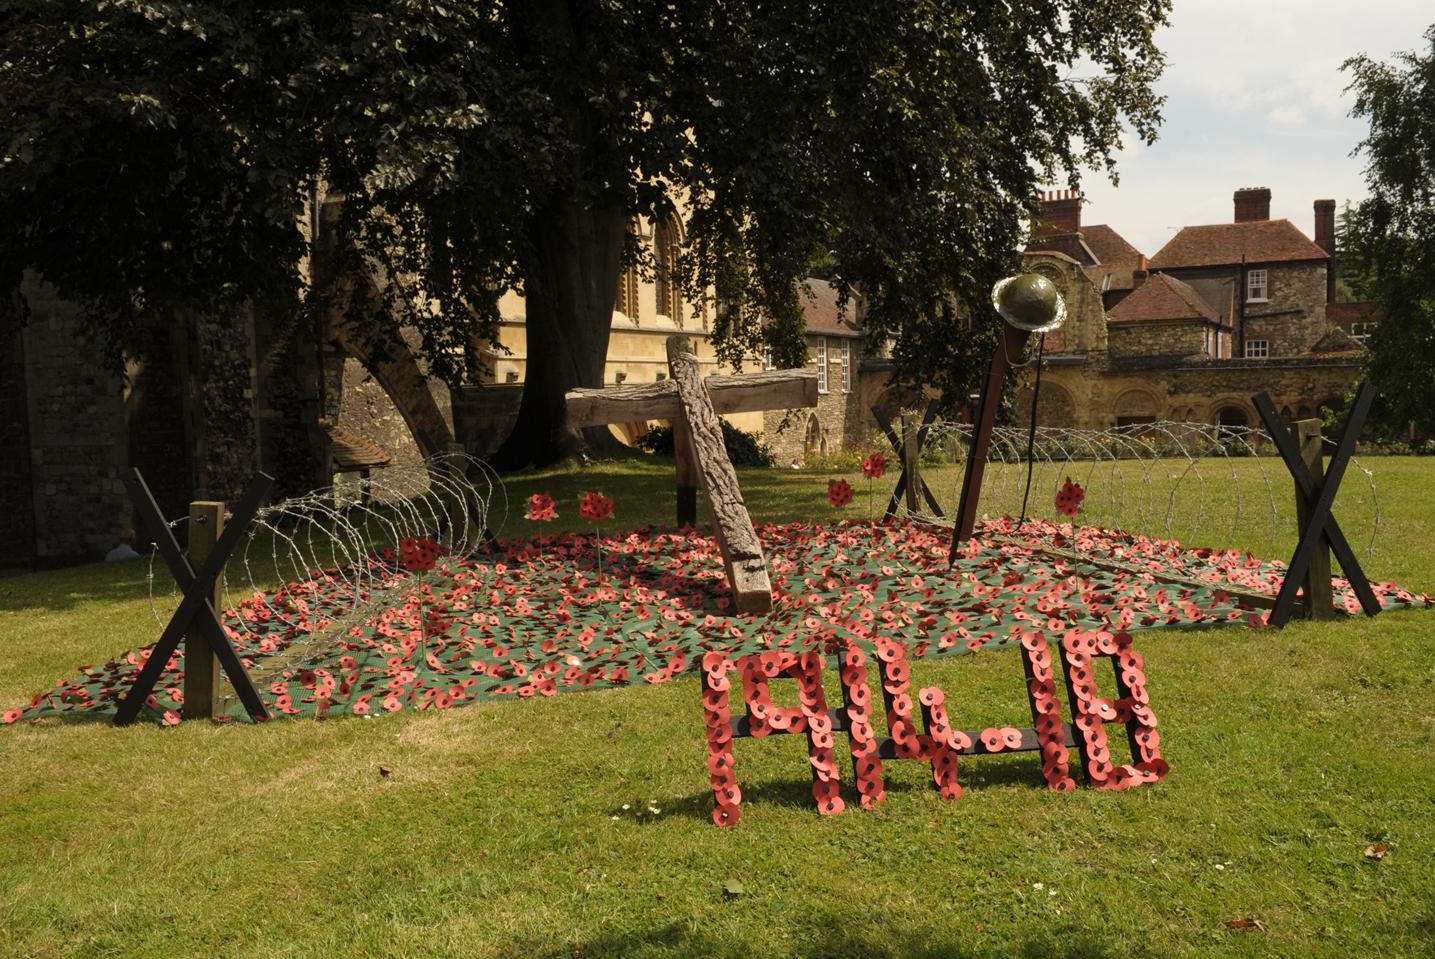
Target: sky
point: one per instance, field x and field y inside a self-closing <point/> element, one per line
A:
<point x="1254" y="97"/>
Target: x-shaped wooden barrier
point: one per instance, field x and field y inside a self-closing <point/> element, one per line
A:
<point x="909" y="458"/>
<point x="196" y="619"/>
<point x="1317" y="494"/>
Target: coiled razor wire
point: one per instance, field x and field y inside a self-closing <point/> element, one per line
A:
<point x="1205" y="485"/>
<point x="328" y="561"/>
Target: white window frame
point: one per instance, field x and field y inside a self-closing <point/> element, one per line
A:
<point x="1258" y="349"/>
<point x="768" y="361"/>
<point x="1360" y="330"/>
<point x="1258" y="280"/>
<point x="847" y="366"/>
<point x="822" y="364"/>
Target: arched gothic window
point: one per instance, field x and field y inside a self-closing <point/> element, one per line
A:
<point x="626" y="302"/>
<point x="667" y="243"/>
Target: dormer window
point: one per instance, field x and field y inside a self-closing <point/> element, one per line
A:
<point x="1257" y="290"/>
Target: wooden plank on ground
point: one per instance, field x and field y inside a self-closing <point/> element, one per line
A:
<point x="741" y="550"/>
<point x="1262" y="600"/>
<point x="744" y="393"/>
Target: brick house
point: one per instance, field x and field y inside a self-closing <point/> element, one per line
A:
<point x="1219" y="313"/>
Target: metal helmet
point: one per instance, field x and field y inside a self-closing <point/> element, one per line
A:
<point x="1029" y="301"/>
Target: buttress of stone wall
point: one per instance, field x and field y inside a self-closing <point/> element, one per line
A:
<point x="369" y="412"/>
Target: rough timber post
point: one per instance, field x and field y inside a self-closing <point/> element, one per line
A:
<point x="910" y="465"/>
<point x="741" y="550"/>
<point x="1317" y="581"/>
<point x="201" y="666"/>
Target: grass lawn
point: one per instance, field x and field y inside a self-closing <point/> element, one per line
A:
<point x="523" y="827"/>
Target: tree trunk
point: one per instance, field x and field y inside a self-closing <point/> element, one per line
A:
<point x="569" y="287"/>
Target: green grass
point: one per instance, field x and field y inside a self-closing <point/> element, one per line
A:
<point x="501" y="828"/>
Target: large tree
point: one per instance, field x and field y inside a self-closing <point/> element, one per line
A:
<point x="1390" y="236"/>
<point x="159" y="153"/>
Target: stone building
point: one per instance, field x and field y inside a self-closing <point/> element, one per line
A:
<point x="201" y="403"/>
<point x="648" y="309"/>
<point x="1218" y="314"/>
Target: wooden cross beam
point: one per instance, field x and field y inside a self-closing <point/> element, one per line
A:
<point x="692" y="404"/>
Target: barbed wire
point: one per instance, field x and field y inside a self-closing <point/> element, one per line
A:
<point x="1206" y="485"/>
<point x="311" y="567"/>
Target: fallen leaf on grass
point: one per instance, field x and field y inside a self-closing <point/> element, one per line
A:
<point x="732" y="889"/>
<point x="384" y="771"/>
<point x="1245" y="924"/>
<point x="1376" y="851"/>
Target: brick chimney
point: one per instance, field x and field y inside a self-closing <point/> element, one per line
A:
<point x="1139" y="275"/>
<point x="1060" y="213"/>
<point x="1325" y="239"/>
<point x="1325" y="226"/>
<point x="1253" y="203"/>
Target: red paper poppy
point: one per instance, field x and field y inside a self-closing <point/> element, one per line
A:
<point x="1069" y="498"/>
<point x="541" y="508"/>
<point x="595" y="507"/>
<point x="839" y="492"/>
<point x="874" y="466"/>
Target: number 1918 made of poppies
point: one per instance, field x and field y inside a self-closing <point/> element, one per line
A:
<point x="937" y="743"/>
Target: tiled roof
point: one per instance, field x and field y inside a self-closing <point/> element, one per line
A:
<point x="819" y="309"/>
<point x="1223" y="244"/>
<point x="1344" y="314"/>
<point x="353" y="452"/>
<point x="1162" y="297"/>
<point x="1117" y="258"/>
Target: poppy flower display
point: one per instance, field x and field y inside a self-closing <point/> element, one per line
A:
<point x="874" y="466"/>
<point x="418" y="555"/>
<point x="595" y="507"/>
<point x="528" y="619"/>
<point x="541" y="508"/>
<point x="1069" y="498"/>
<point x="839" y="492"/>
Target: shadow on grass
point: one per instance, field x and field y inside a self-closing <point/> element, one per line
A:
<point x="826" y="933"/>
<point x="978" y="773"/>
<point x="60" y="590"/>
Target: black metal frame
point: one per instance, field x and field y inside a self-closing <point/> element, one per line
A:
<point x="1319" y="493"/>
<point x="196" y="617"/>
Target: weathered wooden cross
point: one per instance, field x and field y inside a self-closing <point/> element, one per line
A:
<point x="692" y="404"/>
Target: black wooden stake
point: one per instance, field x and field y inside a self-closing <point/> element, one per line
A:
<point x="196" y="618"/>
<point x="1320" y="495"/>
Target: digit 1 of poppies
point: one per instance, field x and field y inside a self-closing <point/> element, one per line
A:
<point x="1046" y="711"/>
<point x="718" y="720"/>
<point x="1091" y="713"/>
<point x="861" y="739"/>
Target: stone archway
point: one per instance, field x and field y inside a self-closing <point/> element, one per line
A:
<point x="814" y="439"/>
<point x="1135" y="407"/>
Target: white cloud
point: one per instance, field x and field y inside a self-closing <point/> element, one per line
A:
<point x="1255" y="97"/>
<point x="1287" y="116"/>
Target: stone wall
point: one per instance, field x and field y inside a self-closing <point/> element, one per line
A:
<point x="1159" y="338"/>
<point x="76" y="423"/>
<point x="366" y="410"/>
<point x="840" y="420"/>
<point x="17" y="502"/>
<point x="1095" y="394"/>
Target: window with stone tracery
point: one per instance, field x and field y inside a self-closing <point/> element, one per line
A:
<point x="667" y="243"/>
